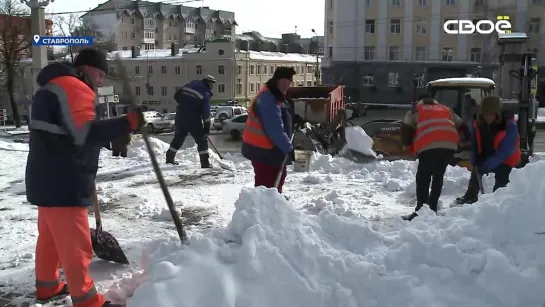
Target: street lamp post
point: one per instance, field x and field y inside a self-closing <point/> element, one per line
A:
<point x="317" y="70"/>
<point x="37" y="25"/>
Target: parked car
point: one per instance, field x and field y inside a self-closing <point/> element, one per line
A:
<point x="166" y="123"/>
<point x="226" y="112"/>
<point x="235" y="126"/>
<point x="152" y="117"/>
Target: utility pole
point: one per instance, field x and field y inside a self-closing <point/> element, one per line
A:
<point x="317" y="69"/>
<point x="39" y="53"/>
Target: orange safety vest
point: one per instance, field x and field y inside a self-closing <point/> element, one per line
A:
<point x="253" y="133"/>
<point x="434" y="124"/>
<point x="513" y="159"/>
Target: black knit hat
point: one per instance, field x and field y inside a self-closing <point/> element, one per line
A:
<point x="92" y="57"/>
<point x="490" y="105"/>
<point x="284" y="72"/>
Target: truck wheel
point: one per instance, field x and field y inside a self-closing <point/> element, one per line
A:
<point x="235" y="134"/>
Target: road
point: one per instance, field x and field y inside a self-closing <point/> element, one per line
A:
<point x="223" y="142"/>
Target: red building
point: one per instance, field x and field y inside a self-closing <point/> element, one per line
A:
<point x="20" y="26"/>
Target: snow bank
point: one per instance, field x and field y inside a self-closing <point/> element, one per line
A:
<point x="486" y="254"/>
<point x="12" y="146"/>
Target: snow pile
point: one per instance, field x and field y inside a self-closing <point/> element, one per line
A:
<point x="358" y="140"/>
<point x="12" y="146"/>
<point x="486" y="254"/>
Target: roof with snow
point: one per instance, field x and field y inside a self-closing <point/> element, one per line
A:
<point x="279" y="56"/>
<point x="466" y="81"/>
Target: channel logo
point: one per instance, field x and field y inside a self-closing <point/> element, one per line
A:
<point x="38" y="40"/>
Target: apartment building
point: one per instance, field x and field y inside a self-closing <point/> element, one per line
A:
<point x="156" y="25"/>
<point x="378" y="47"/>
<point x="157" y="74"/>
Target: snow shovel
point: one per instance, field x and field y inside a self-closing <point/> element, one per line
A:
<point x="221" y="162"/>
<point x="105" y="245"/>
<point x="279" y="175"/>
<point x="168" y="198"/>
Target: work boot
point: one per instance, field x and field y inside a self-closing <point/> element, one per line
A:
<point x="171" y="155"/>
<point x="466" y="200"/>
<point x="110" y="304"/>
<point x="63" y="292"/>
<point x="205" y="160"/>
<point x="409" y="217"/>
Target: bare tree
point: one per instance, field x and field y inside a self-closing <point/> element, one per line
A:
<point x="73" y="25"/>
<point x="14" y="43"/>
<point x="65" y="25"/>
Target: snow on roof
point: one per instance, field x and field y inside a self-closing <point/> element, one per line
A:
<point x="150" y="54"/>
<point x="279" y="56"/>
<point x="466" y="81"/>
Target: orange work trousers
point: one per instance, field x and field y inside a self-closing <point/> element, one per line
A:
<point x="64" y="240"/>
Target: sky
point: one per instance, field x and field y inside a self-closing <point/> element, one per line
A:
<point x="270" y="18"/>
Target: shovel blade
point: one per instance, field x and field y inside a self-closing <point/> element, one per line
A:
<point x="106" y="247"/>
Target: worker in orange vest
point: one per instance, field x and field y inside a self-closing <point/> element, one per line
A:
<point x="495" y="147"/>
<point x="431" y="129"/>
<point x="266" y="140"/>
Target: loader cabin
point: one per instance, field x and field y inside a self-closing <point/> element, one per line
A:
<point x="451" y="92"/>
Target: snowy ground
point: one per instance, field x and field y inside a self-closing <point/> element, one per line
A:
<point x="337" y="242"/>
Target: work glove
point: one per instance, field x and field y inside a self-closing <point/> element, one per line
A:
<point x="136" y="118"/>
<point x="206" y="127"/>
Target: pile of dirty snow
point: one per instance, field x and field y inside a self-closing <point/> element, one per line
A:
<point x="486" y="254"/>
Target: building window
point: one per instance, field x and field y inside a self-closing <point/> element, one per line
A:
<point x="448" y="54"/>
<point x="450" y="2"/>
<point x="422" y="2"/>
<point x="163" y="70"/>
<point x="137" y="91"/>
<point x="421" y="53"/>
<point x="239" y="86"/>
<point x="330" y="27"/>
<point x="370" y="26"/>
<point x="475" y="55"/>
<point x="309" y="83"/>
<point x="252" y="69"/>
<point x="177" y="70"/>
<point x="252" y="87"/>
<point x="396" y="2"/>
<point x="310" y="69"/>
<point x="394" y="53"/>
<point x="369" y="53"/>
<point x="221" y="70"/>
<point x="221" y="88"/>
<point x="368" y="80"/>
<point x="420" y="81"/>
<point x="393" y="79"/>
<point x="395" y="26"/>
<point x="330" y="52"/>
<point x="271" y="70"/>
<point x="239" y="69"/>
<point x="110" y="70"/>
<point x="258" y="68"/>
<point x="199" y="70"/>
<point x="150" y="90"/>
<point x="133" y="36"/>
<point x="264" y="69"/>
<point x="150" y="70"/>
<point x="421" y="27"/>
<point x="257" y="86"/>
<point x="163" y="90"/>
<point x="124" y="35"/>
<point x="533" y="25"/>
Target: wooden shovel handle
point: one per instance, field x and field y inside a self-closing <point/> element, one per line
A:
<point x="96" y="209"/>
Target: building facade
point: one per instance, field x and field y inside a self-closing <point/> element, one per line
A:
<point x="377" y="48"/>
<point x="156" y="25"/>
